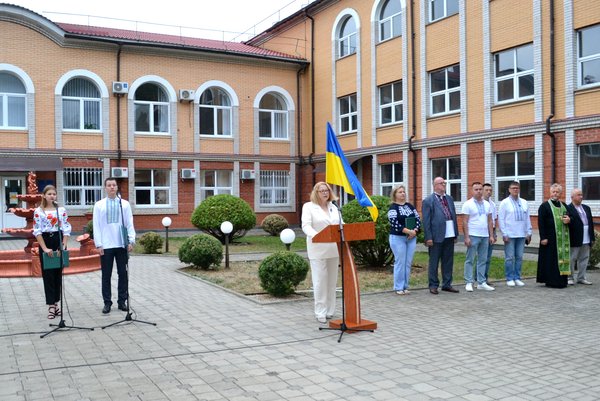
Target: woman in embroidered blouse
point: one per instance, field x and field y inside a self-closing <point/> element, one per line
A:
<point x="403" y="240"/>
<point x="45" y="230"/>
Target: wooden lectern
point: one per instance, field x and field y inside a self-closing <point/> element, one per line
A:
<point x="352" y="232"/>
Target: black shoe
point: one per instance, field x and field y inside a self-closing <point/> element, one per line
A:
<point x="106" y="309"/>
<point x="123" y="306"/>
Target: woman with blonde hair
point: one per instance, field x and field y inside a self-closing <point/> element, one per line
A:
<point x="317" y="214"/>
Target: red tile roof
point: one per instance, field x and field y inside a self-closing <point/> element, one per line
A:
<point x="178" y="41"/>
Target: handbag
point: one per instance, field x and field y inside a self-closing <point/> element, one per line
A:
<point x="53" y="262"/>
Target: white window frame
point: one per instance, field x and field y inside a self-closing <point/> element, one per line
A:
<point x="586" y="174"/>
<point x="348" y="41"/>
<point x="392" y="105"/>
<point x="218" y="188"/>
<point x="515" y="76"/>
<point x="4" y="100"/>
<point x="350" y="116"/>
<point x="390" y="20"/>
<point x="445" y="15"/>
<point x="444" y="92"/>
<point x="275" y="134"/>
<point x="395" y="180"/>
<point x="450" y="182"/>
<point x="218" y="112"/>
<point x="582" y="60"/>
<point x="94" y="174"/>
<point x="151" y="105"/>
<point x="272" y="181"/>
<point x="153" y="188"/>
<point x="516" y="177"/>
<point x="82" y="101"/>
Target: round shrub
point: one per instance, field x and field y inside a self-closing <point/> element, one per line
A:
<point x="274" y="224"/>
<point x="377" y="252"/>
<point x="151" y="242"/>
<point x="202" y="251"/>
<point x="595" y="253"/>
<point x="281" y="272"/>
<point x="89" y="228"/>
<point x="214" y="210"/>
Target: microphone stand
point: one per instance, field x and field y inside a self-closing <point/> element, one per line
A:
<point x="61" y="324"/>
<point x="124" y="235"/>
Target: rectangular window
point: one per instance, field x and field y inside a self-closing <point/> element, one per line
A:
<point x="516" y="166"/>
<point x="216" y="182"/>
<point x="448" y="169"/>
<point x="589" y="171"/>
<point x="215" y="120"/>
<point x="390" y="103"/>
<point x="514" y="74"/>
<point x="82" y="186"/>
<point x="588" y="56"/>
<point x="439" y="9"/>
<point x="153" y="187"/>
<point x="151" y="117"/>
<point x="274" y="188"/>
<point x="272" y="124"/>
<point x="348" y="114"/>
<point x="445" y="90"/>
<point x="391" y="176"/>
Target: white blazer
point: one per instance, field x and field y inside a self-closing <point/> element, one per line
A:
<point x="314" y="219"/>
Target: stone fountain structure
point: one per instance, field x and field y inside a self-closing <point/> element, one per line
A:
<point x="26" y="262"/>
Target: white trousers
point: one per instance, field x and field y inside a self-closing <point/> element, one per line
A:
<point x="324" y="273"/>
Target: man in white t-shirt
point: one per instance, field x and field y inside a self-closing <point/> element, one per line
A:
<point x="479" y="235"/>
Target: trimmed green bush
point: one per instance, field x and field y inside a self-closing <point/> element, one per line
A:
<point x="377" y="252"/>
<point x="595" y="253"/>
<point x="201" y="251"/>
<point x="281" y="272"/>
<point x="89" y="228"/>
<point x="214" y="210"/>
<point x="274" y="224"/>
<point x="151" y="242"/>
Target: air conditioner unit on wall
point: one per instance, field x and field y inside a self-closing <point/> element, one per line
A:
<point x="119" y="172"/>
<point x="248" y="175"/>
<point x="186" y="95"/>
<point x="188" y="173"/>
<point x="120" y="88"/>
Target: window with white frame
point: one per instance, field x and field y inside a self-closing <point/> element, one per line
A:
<point x="273" y="117"/>
<point x="151" y="109"/>
<point x="439" y="9"/>
<point x="589" y="171"/>
<point x="12" y="102"/>
<point x="445" y="90"/>
<point x="392" y="175"/>
<point x="347" y="38"/>
<point x="588" y="56"/>
<point x="449" y="170"/>
<point x="215" y="182"/>
<point x="390" y="103"/>
<point x="390" y="20"/>
<point x="516" y="166"/>
<point x="81" y="105"/>
<point x="514" y="74"/>
<point x="274" y="188"/>
<point x="215" y="112"/>
<point x="82" y="186"/>
<point x="152" y="187"/>
<point x="348" y="114"/>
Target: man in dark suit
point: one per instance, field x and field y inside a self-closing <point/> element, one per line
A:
<point x="581" y="232"/>
<point x="441" y="231"/>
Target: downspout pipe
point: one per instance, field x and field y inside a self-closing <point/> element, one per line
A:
<point x="299" y="140"/>
<point x="552" y="98"/>
<point x="119" y="152"/>
<point x="413" y="103"/>
<point x="312" y="96"/>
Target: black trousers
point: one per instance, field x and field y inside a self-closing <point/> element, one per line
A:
<point x="52" y="277"/>
<point x="106" y="261"/>
<point x="441" y="252"/>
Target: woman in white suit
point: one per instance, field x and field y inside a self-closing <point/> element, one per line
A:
<point x="324" y="258"/>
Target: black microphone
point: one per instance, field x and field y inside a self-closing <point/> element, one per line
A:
<point x="334" y="203"/>
<point x="55" y="203"/>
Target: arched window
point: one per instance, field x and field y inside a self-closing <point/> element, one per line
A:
<point x="81" y="105"/>
<point x="151" y="109"/>
<point x="347" y="38"/>
<point x="390" y="22"/>
<point x="273" y="117"/>
<point x="12" y="102"/>
<point x="215" y="112"/>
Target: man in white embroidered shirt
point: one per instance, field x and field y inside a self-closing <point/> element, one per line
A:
<point x="114" y="236"/>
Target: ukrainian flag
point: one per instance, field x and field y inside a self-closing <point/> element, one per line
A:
<point x="339" y="172"/>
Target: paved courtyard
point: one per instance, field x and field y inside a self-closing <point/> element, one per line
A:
<point x="529" y="343"/>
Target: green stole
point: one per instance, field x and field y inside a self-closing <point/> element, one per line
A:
<point x="562" y="239"/>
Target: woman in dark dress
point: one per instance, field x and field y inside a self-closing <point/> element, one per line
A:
<point x="553" y="259"/>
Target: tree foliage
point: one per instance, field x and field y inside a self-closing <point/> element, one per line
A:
<point x="216" y="209"/>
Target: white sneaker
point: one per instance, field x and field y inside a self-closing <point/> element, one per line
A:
<point x="570" y="282"/>
<point x="469" y="287"/>
<point x="519" y="283"/>
<point x="485" y="287"/>
<point x="584" y="281"/>
<point x="510" y="283"/>
<point x="322" y="319"/>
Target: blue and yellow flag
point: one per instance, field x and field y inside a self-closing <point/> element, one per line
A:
<point x="339" y="172"/>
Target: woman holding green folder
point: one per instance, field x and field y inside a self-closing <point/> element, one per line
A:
<point x="46" y="219"/>
<point x="404" y="226"/>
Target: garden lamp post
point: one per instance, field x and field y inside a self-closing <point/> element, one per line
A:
<point x="166" y="222"/>
<point x="226" y="228"/>
<point x="287" y="236"/>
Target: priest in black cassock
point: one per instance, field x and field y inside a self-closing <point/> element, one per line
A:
<point x="553" y="267"/>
